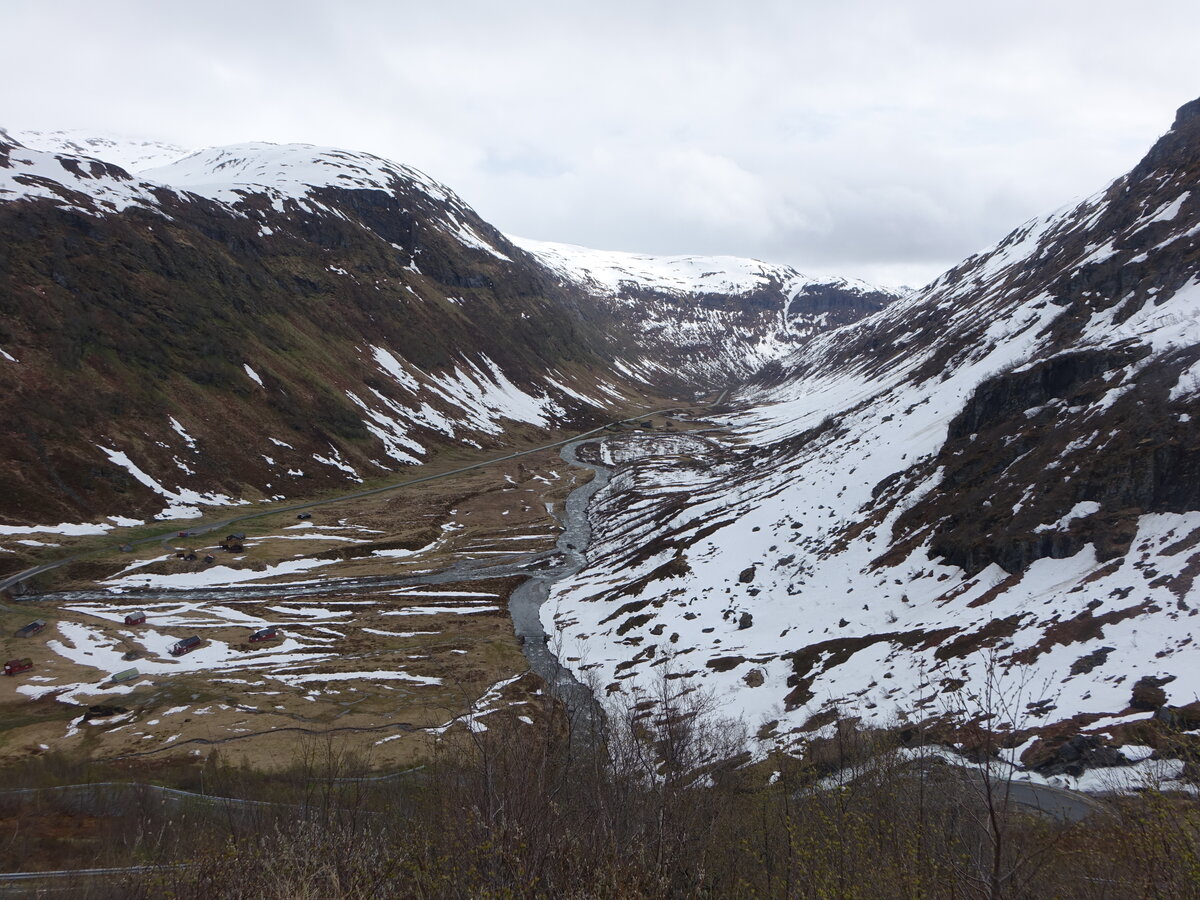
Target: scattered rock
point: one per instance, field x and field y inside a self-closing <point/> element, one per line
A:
<point x="1148" y="693"/>
<point x="747" y="575"/>
<point x="745" y="621"/>
<point x="1180" y="718"/>
<point x="725" y="663"/>
<point x="103" y="712"/>
<point x="1085" y="664"/>
<point x="1071" y="756"/>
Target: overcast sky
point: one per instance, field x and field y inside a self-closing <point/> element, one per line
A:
<point x="886" y="140"/>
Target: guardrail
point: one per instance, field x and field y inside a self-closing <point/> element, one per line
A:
<point x="120" y="797"/>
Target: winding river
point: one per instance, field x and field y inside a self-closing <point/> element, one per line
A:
<point x="526" y="601"/>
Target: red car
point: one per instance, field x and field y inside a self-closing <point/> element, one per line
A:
<point x="13" y="666"/>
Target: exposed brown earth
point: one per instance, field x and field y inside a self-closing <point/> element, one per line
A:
<point x="488" y="516"/>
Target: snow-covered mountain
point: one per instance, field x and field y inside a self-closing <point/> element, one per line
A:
<point x="381" y="318"/>
<point x="705" y="320"/>
<point x="295" y="176"/>
<point x="719" y="317"/>
<point x="612" y="272"/>
<point x="131" y="154"/>
<point x="995" y="481"/>
<point x="264" y="321"/>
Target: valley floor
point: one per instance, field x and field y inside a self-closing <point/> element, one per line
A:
<point x="392" y="618"/>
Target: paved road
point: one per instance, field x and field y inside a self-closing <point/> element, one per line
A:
<point x="353" y="495"/>
<point x="1064" y="805"/>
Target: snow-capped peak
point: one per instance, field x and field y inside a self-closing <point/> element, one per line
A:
<point x="131" y="154"/>
<point x="288" y="170"/>
<point x="611" y="272"/>
<point x="84" y="184"/>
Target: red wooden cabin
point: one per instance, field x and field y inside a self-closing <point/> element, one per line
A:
<point x="187" y="645"/>
<point x="13" y="666"/>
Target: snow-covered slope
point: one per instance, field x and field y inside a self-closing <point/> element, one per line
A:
<point x="994" y="481"/>
<point x="131" y="154"/>
<point x="290" y="170"/>
<point x="346" y="315"/>
<point x="357" y="289"/>
<point x="717" y="317"/>
<point x="612" y="271"/>
<point x="72" y="182"/>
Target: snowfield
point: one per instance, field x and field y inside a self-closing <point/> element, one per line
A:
<point x="787" y="566"/>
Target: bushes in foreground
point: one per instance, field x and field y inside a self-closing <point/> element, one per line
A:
<point x="659" y="806"/>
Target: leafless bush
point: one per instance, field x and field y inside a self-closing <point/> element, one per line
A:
<point x="664" y="806"/>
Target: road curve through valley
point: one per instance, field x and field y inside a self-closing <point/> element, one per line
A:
<point x="19" y="577"/>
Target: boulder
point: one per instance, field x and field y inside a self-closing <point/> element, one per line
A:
<point x="1148" y="693"/>
<point x="1072" y="756"/>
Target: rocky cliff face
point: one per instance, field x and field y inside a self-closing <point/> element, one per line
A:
<point x="992" y="480"/>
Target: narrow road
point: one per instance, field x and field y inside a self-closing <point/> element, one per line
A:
<point x="353" y="495"/>
<point x="1063" y="805"/>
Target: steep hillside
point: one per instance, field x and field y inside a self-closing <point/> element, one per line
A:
<point x="243" y="339"/>
<point x="718" y="317"/>
<point x="993" y="482"/>
<point x="262" y="321"/>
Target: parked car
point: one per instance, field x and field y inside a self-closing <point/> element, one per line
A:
<point x="185" y="646"/>
<point x="137" y="617"/>
<point x="304" y="516"/>
<point x="14" y="666"/>
<point x="31" y="629"/>
<point x="265" y="634"/>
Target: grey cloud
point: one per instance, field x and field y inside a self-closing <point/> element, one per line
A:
<point x="870" y="138"/>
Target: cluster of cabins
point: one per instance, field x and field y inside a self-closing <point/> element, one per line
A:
<point x="233" y="543"/>
<point x="17" y="666"/>
<point x="137" y="617"/>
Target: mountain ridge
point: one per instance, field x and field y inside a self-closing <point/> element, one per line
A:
<point x="994" y="477"/>
<point x="356" y="306"/>
<point x="744" y="312"/>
